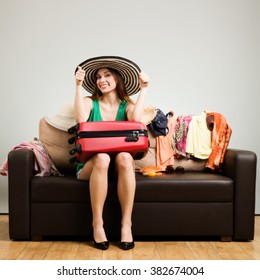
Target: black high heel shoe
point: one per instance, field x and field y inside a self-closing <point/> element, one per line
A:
<point x="127" y="245"/>
<point x="101" y="245"/>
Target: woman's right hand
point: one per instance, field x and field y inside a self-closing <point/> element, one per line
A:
<point x="80" y="75"/>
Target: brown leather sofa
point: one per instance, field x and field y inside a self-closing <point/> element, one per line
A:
<point x="180" y="205"/>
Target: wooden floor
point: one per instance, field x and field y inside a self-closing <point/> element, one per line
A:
<point x="175" y="250"/>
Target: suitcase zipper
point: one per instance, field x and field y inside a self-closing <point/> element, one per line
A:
<point x="131" y="135"/>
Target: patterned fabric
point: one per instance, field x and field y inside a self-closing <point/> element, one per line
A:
<point x="180" y="134"/>
<point x="43" y="164"/>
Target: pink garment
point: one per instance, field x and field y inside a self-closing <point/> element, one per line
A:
<point x="181" y="133"/>
<point x="164" y="150"/>
<point x="43" y="164"/>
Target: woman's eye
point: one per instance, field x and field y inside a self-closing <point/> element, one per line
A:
<point x="98" y="77"/>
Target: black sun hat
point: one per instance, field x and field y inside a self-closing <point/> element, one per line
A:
<point x="126" y="68"/>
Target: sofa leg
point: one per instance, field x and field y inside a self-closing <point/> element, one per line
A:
<point x="37" y="238"/>
<point x="226" y="238"/>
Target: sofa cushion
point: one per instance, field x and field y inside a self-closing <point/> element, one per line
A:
<point x="56" y="142"/>
<point x="59" y="189"/>
<point x="188" y="187"/>
<point x="184" y="187"/>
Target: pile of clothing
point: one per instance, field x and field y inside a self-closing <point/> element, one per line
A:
<point x="43" y="164"/>
<point x="203" y="137"/>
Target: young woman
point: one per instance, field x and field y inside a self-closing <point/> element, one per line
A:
<point x="110" y="80"/>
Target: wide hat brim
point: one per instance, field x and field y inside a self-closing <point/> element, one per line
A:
<point x="64" y="119"/>
<point x="127" y="69"/>
<point x="60" y="122"/>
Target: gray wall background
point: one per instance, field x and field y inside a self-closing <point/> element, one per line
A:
<point x="199" y="55"/>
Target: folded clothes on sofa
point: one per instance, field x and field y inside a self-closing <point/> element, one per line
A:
<point x="43" y="164"/>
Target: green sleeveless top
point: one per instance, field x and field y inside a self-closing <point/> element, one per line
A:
<point x="95" y="114"/>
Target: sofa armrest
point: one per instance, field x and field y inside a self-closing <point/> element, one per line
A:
<point x="240" y="165"/>
<point x="20" y="172"/>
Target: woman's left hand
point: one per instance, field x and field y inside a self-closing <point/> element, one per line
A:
<point x="143" y="80"/>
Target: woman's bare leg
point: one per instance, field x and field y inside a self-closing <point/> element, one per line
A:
<point x="126" y="192"/>
<point x="96" y="171"/>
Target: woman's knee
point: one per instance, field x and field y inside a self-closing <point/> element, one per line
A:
<point x="101" y="161"/>
<point x="124" y="160"/>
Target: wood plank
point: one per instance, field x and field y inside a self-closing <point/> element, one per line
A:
<point x="174" y="251"/>
<point x="231" y="251"/>
<point x="204" y="250"/>
<point x="86" y="251"/>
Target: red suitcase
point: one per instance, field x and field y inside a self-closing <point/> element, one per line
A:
<point x="109" y="137"/>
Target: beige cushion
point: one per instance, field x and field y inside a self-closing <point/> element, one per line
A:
<point x="190" y="164"/>
<point x="148" y="160"/>
<point x="56" y="142"/>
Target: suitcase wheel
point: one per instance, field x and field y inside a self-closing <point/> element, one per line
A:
<point x="72" y="140"/>
<point x="73" y="160"/>
<point x="73" y="129"/>
<point x="77" y="149"/>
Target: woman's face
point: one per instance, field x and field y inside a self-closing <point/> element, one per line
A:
<point x="105" y="80"/>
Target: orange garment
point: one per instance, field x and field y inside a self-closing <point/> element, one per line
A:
<point x="164" y="149"/>
<point x="221" y="134"/>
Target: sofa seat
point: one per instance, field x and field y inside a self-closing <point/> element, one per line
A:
<point x="187" y="187"/>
